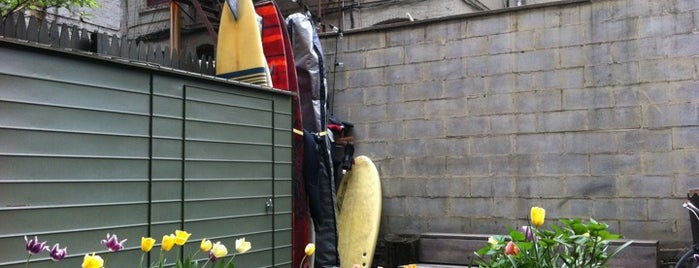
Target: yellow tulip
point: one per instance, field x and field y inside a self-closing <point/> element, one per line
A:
<point x="219" y="250"/>
<point x="147" y="243"/>
<point x="181" y="237"/>
<point x="242" y="246"/>
<point x="168" y="242"/>
<point x="93" y="261"/>
<point x="310" y="248"/>
<point x="538" y="215"/>
<point x="205" y="245"/>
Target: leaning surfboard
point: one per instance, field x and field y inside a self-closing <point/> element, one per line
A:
<point x="359" y="213"/>
<point x="280" y="59"/>
<point x="239" y="54"/>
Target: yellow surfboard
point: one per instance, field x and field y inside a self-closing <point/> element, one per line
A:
<point x="239" y="54"/>
<point x="359" y="213"/>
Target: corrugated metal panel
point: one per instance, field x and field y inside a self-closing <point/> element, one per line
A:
<point x="94" y="147"/>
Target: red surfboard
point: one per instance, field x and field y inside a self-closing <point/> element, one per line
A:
<point x="280" y="59"/>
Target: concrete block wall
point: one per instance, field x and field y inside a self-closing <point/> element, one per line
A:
<point x="587" y="108"/>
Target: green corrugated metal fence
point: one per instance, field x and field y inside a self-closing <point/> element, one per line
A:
<point x="91" y="146"/>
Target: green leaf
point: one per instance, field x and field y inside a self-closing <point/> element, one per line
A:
<point x="517" y="236"/>
<point x="579" y="228"/>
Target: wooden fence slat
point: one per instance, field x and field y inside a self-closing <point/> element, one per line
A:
<point x="159" y="56"/>
<point x="2" y="28"/>
<point x="64" y="39"/>
<point x="133" y="50"/>
<point x="115" y="46"/>
<point x="44" y="37"/>
<point x="74" y="37"/>
<point x="33" y="29"/>
<point x="167" y="57"/>
<point x="124" y="48"/>
<point x="53" y="33"/>
<point x="175" y="58"/>
<point x="142" y="52"/>
<point x="10" y="27"/>
<point x="85" y="43"/>
<point x="21" y="26"/>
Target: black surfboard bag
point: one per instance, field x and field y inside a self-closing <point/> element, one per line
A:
<point x="318" y="166"/>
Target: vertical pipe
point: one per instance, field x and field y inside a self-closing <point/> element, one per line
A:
<point x="174" y="27"/>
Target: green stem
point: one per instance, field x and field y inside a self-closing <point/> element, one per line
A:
<point x="140" y="264"/>
<point x="29" y="256"/>
<point x="229" y="261"/>
<point x="302" y="260"/>
<point x="160" y="259"/>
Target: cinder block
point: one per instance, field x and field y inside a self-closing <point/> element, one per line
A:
<point x="535" y="61"/>
<point x="616" y="118"/>
<point x="384" y="57"/>
<point x="447" y="147"/>
<point x="491" y="145"/>
<point x="563" y="121"/>
<point x="379" y="95"/>
<point x="671" y="115"/>
<point x="500" y="43"/>
<point x="423" y="52"/>
<point x="406" y="36"/>
<point x="426" y="166"/>
<point x="467" y="166"/>
<point x="384" y="131"/>
<point x="464" y="207"/>
<point x="639" y="186"/>
<point x="423" y="129"/>
<point x="539" y="143"/>
<point x="445" y="70"/>
<point x="503" y="124"/>
<point x="366" y="41"/>
<point x="403" y="74"/>
<point x="488" y="26"/>
<point x="447" y="107"/>
<point x="567" y="164"/>
<point x="406" y="110"/>
<point x="422" y="91"/>
<point x="466" y="126"/>
<point x="365" y="78"/>
<point x="447" y="187"/>
<point x="611" y="164"/>
<point x="571" y="57"/>
<point x="513" y="165"/>
<point x="588" y="98"/>
<point x="426" y="207"/>
<point x="369" y="113"/>
<point x="666" y="70"/>
<point x="590" y="142"/>
<point x="405" y="148"/>
<point x="591" y="186"/>
<point x="685" y="138"/>
<point x="541" y="186"/>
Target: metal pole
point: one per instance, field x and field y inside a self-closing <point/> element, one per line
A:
<point x="174" y="28"/>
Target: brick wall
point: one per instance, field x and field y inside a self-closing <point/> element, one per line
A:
<point x="587" y="108"/>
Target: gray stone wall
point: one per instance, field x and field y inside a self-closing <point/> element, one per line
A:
<point x="587" y="108"/>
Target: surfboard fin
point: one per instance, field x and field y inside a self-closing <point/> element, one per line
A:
<point x="233" y="4"/>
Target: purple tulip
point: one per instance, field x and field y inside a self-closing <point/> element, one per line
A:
<point x="527" y="232"/>
<point x="112" y="243"/>
<point x="34" y="247"/>
<point x="57" y="253"/>
<point x="212" y="257"/>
